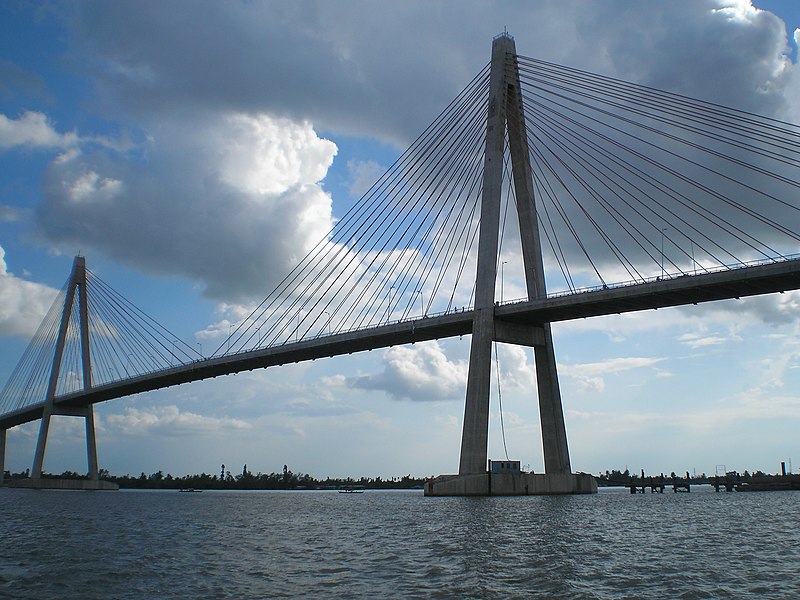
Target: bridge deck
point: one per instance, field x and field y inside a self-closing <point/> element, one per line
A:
<point x="687" y="289"/>
<point x="674" y="291"/>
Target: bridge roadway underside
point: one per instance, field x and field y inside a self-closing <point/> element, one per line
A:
<point x="676" y="291"/>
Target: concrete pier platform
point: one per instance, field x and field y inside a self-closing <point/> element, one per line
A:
<point x="62" y="484"/>
<point x="511" y="484"/>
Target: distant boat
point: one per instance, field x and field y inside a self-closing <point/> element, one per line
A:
<point x="189" y="490"/>
<point x="359" y="489"/>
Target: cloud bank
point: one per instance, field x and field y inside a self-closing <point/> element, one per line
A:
<point x="229" y="200"/>
<point x="227" y="102"/>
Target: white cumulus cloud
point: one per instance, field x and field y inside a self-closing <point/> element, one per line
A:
<point x="170" y="421"/>
<point x="23" y="304"/>
<point x="33" y="129"/>
<point x="90" y="186"/>
<point x="231" y="200"/>
<point x="420" y="372"/>
<point x="261" y="155"/>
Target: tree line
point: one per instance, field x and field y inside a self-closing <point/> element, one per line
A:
<point x="617" y="477"/>
<point x="245" y="480"/>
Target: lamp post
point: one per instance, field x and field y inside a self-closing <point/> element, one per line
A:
<point x="662" y="251"/>
<point x="328" y="322"/>
<point x="389" y="304"/>
<point x="502" y="280"/>
<point x="421" y="304"/>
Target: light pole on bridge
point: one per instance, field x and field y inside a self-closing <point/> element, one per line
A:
<point x="502" y="279"/>
<point x="297" y="329"/>
<point x="389" y="297"/>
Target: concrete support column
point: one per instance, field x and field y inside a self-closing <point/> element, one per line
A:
<point x="91" y="445"/>
<point x="49" y="404"/>
<point x="551" y="414"/>
<point x="41" y="443"/>
<point x="78" y="271"/>
<point x="475" y="435"/>
<point x="86" y="363"/>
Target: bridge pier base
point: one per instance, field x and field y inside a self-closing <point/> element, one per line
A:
<point x="511" y="484"/>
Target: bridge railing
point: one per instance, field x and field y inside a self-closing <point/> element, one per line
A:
<point x="664" y="277"/>
<point x="324" y="334"/>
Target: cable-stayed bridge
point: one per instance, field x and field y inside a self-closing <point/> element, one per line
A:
<point x="619" y="196"/>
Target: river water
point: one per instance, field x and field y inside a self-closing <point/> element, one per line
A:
<point x="164" y="544"/>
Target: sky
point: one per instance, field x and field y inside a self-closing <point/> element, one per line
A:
<point x="193" y="151"/>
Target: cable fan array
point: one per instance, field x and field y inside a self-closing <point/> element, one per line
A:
<point x="400" y="252"/>
<point x="633" y="182"/>
<point x="123" y="343"/>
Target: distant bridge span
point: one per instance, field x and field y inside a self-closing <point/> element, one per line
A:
<point x="669" y="291"/>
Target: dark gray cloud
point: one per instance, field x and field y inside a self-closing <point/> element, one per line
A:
<point x="385" y="69"/>
<point x="724" y="51"/>
<point x="302" y="60"/>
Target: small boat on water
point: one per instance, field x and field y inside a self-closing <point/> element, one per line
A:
<point x="352" y="490"/>
<point x="190" y="490"/>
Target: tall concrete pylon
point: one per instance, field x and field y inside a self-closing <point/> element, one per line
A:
<point x="77" y="286"/>
<point x="505" y="113"/>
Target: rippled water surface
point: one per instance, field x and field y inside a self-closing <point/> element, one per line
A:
<point x="163" y="544"/>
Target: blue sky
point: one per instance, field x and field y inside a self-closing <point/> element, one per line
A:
<point x="293" y="107"/>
